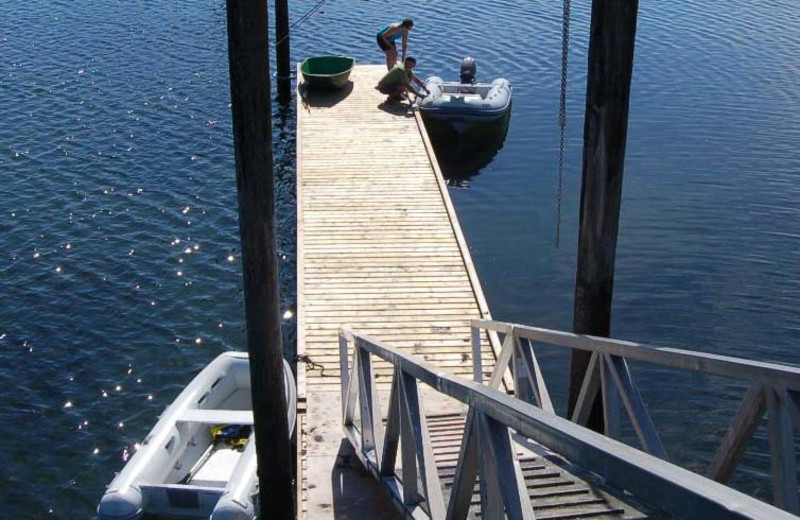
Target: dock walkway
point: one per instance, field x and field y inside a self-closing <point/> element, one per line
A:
<point x="380" y="250"/>
<point x="388" y="296"/>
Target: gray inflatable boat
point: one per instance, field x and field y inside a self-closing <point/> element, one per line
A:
<point x="464" y="102"/>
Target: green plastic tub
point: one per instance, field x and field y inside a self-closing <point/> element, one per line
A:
<point x="322" y="72"/>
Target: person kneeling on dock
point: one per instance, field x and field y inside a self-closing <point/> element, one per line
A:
<point x="398" y="80"/>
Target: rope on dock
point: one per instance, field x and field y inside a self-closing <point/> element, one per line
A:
<point x="310" y="365"/>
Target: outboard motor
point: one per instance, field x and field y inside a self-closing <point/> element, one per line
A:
<point x="468" y="70"/>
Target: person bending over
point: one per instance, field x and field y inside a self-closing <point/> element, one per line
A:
<point x="398" y="80"/>
<point x="387" y="40"/>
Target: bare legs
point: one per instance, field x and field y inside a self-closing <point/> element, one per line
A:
<point x="391" y="58"/>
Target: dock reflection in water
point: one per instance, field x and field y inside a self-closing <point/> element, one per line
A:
<point x="462" y="151"/>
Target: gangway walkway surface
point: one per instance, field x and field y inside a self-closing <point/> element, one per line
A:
<point x="379" y="249"/>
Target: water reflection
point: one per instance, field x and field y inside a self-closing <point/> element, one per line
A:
<point x="463" y="152"/>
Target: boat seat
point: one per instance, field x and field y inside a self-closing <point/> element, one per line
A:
<point x="216" y="416"/>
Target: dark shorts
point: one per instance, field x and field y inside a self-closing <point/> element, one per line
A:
<point x="383" y="46"/>
<point x="390" y="89"/>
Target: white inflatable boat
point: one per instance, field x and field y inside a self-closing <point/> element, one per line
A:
<point x="199" y="461"/>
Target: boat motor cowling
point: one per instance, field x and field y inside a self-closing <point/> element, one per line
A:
<point x="468" y="70"/>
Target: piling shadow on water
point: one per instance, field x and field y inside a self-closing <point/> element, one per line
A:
<point x="324" y="98"/>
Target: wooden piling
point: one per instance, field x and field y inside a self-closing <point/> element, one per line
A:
<point x="611" y="48"/>
<point x="248" y="55"/>
<point x="282" y="49"/>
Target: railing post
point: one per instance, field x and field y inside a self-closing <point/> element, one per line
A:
<point x="344" y="370"/>
<point x="513" y="364"/>
<point x="466" y="470"/>
<point x="781" y="448"/>
<point x="391" y="435"/>
<point x="351" y="393"/>
<point x="611" y="400"/>
<point x="371" y="420"/>
<point x="477" y="359"/>
<point x="500" y="473"/>
<point x="417" y="451"/>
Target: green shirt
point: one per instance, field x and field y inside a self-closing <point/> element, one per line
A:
<point x="398" y="75"/>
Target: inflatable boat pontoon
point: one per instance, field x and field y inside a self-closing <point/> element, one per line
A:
<point x="199" y="461"/>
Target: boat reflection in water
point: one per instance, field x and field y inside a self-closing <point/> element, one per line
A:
<point x="463" y="152"/>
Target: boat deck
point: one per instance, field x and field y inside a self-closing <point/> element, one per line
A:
<point x="380" y="250"/>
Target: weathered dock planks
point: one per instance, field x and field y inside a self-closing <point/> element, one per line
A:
<point x="379" y="249"/>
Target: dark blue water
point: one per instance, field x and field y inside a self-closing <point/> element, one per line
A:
<point x="119" y="254"/>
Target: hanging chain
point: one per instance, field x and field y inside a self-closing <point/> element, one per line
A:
<point x="562" y="110"/>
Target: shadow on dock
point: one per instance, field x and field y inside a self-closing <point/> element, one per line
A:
<point x="349" y="476"/>
<point x="402" y="109"/>
<point x="324" y="98"/>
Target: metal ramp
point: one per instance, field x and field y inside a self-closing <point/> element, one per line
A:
<point x="492" y="455"/>
<point x="555" y="493"/>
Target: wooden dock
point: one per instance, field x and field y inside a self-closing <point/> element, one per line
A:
<point x="380" y="250"/>
<point x="388" y="298"/>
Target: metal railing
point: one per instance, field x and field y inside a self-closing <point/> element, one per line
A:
<point x="487" y="449"/>
<point x="773" y="388"/>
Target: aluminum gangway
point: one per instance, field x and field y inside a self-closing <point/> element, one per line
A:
<point x="512" y="456"/>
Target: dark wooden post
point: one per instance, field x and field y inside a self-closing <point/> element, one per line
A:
<point x="282" y="49"/>
<point x="248" y="55"/>
<point x="611" y="45"/>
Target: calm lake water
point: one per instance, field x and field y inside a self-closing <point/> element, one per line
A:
<point x="119" y="247"/>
